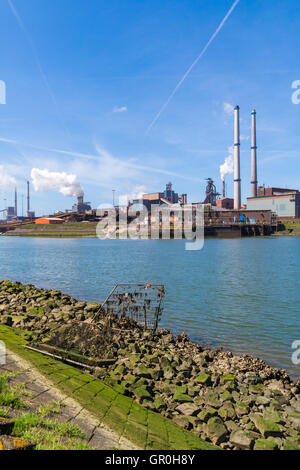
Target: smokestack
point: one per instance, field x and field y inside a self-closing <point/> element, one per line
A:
<point x="237" y="171"/>
<point x="184" y="199"/>
<point x="16" y="203"/>
<point x="253" y="156"/>
<point x="28" y="198"/>
<point x="80" y="200"/>
<point x="223" y="189"/>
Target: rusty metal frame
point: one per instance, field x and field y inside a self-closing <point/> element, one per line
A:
<point x="141" y="302"/>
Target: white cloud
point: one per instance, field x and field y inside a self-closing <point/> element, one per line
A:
<point x="120" y="109"/>
<point x="104" y="168"/>
<point x="6" y="180"/>
<point x="112" y="167"/>
<point x="136" y="193"/>
<point x="130" y="167"/>
<point x="228" y="108"/>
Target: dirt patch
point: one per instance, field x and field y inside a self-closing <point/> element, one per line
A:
<point x="100" y="340"/>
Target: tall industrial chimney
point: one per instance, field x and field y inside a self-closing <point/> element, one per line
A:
<point x="253" y="156"/>
<point x="28" y="199"/>
<point x="16" y="203"/>
<point x="237" y="171"/>
<point x="223" y="188"/>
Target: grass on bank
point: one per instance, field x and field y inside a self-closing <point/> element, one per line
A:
<point x="66" y="230"/>
<point x="64" y="226"/>
<point x="51" y="234"/>
<point x="10" y="396"/>
<point x="38" y="425"/>
<point x="290" y="223"/>
<point x="48" y="433"/>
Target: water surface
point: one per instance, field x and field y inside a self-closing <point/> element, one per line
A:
<point x="241" y="294"/>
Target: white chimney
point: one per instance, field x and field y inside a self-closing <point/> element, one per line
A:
<point x="237" y="172"/>
<point x="253" y="156"/>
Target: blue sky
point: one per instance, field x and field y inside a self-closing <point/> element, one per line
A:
<point x="87" y="78"/>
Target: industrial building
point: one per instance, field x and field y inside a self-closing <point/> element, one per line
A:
<point x="49" y="220"/>
<point x="224" y="203"/>
<point x="11" y="213"/>
<point x="211" y="193"/>
<point x="30" y="213"/>
<point x="214" y="216"/>
<point x="81" y="206"/>
<point x="263" y="191"/>
<point x="285" y="203"/>
<point x="263" y="206"/>
<point x="211" y="196"/>
<point x="168" y="196"/>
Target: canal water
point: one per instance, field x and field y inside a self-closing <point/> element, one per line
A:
<point x="240" y="294"/>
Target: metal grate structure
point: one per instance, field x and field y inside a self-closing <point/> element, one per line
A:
<point x="141" y="302"/>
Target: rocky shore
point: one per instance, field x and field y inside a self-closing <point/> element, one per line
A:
<point x="232" y="401"/>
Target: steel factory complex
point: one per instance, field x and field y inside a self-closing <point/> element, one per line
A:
<point x="264" y="206"/>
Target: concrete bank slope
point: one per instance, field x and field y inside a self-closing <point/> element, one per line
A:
<point x="133" y="423"/>
<point x="41" y="393"/>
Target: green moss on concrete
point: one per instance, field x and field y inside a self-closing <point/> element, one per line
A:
<point x="228" y="378"/>
<point x="36" y="311"/>
<point x="181" y="395"/>
<point x="159" y="403"/>
<point x="292" y="443"/>
<point x="204" y="378"/>
<point x="265" y="444"/>
<point x="142" y="392"/>
<point x="265" y="426"/>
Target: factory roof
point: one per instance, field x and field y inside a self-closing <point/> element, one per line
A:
<point x="265" y="196"/>
<point x="50" y="218"/>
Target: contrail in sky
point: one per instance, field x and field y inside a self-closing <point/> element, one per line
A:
<point x="37" y="60"/>
<point x="192" y="66"/>
<point x="103" y="155"/>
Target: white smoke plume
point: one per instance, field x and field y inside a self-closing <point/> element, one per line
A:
<point x="66" y="184"/>
<point x="5" y="179"/>
<point x="228" y="166"/>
